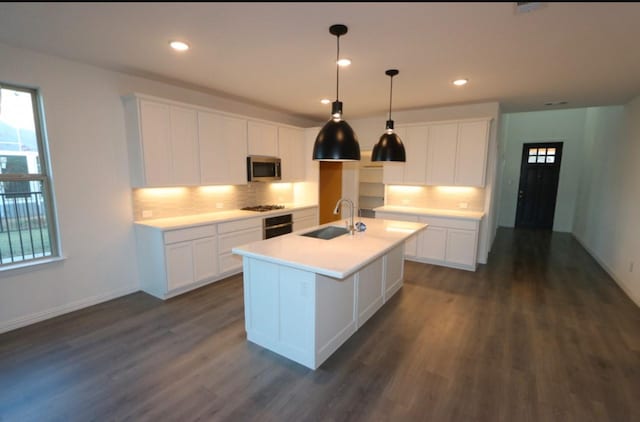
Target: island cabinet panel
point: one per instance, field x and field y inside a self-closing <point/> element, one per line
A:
<point x="336" y="302"/>
<point x="370" y="290"/>
<point x="306" y="316"/>
<point x="393" y="272"/>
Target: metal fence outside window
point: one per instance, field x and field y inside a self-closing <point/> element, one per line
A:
<point x="24" y="229"/>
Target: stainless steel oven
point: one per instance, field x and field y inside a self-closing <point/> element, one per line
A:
<point x="277" y="226"/>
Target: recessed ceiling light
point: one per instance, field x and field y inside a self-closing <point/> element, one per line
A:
<point x="460" y="82"/>
<point x="179" y="45"/>
<point x="344" y="62"/>
<point x="325" y="101"/>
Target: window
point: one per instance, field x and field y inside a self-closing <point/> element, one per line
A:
<point x="542" y="155"/>
<point x="27" y="229"/>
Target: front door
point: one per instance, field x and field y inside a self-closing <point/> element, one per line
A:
<point x="539" y="176"/>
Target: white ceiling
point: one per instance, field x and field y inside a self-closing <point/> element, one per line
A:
<point x="282" y="55"/>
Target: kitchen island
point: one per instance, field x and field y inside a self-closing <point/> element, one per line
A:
<point x="305" y="296"/>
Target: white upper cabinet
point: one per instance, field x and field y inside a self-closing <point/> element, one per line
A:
<point x="291" y="148"/>
<point x="223" y="149"/>
<point x="184" y="146"/>
<point x="442" y="154"/>
<point x="163" y="144"/>
<point x="415" y="145"/>
<point x="262" y="139"/>
<point x="155" y="143"/>
<point x="471" y="157"/>
<point x="176" y="144"/>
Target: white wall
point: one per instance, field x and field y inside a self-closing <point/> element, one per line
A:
<point x="566" y="126"/>
<point x="85" y="127"/>
<point x="370" y="129"/>
<point x="606" y="214"/>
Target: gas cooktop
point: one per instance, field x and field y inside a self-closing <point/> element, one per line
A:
<point x="263" y="208"/>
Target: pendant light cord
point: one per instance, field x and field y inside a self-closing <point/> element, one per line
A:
<point x="390" y="96"/>
<point x="337" y="67"/>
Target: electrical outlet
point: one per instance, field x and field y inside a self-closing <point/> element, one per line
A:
<point x="631" y="266"/>
<point x="463" y="205"/>
<point x="147" y="213"/>
<point x="219" y="205"/>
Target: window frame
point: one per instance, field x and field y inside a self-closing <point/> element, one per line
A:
<point x="44" y="177"/>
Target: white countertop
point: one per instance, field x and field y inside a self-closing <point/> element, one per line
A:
<point x="434" y="212"/>
<point x="172" y="223"/>
<point x="338" y="257"/>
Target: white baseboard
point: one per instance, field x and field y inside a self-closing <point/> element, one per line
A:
<point x="63" y="309"/>
<point x="634" y="298"/>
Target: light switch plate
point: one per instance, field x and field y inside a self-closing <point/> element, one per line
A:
<point x="463" y="205"/>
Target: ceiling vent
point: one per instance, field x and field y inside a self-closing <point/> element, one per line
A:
<point x="528" y="6"/>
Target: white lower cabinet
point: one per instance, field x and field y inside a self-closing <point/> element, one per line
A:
<point x="411" y="245"/>
<point x="179" y="257"/>
<point x="306" y="316"/>
<point x="236" y="233"/>
<point x="432" y="243"/>
<point x="451" y="242"/>
<point x="304" y="219"/>
<point x="175" y="261"/>
<point x="205" y="264"/>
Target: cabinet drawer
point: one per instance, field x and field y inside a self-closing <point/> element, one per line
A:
<point x="231" y="240"/>
<point x="230" y="262"/>
<point x="233" y="226"/>
<point x="393" y="216"/>
<point x="452" y="223"/>
<point x="311" y="212"/>
<point x="192" y="233"/>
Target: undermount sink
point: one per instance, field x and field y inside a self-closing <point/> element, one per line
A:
<point x="327" y="233"/>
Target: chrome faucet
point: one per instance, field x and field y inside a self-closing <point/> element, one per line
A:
<point x="351" y="227"/>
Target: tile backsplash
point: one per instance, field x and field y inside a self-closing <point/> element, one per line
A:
<point x="173" y="202"/>
<point x="442" y="197"/>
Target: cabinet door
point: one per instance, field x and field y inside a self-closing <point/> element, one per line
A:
<point x="471" y="156"/>
<point x="393" y="172"/>
<point x="432" y="243"/>
<point x="369" y="290"/>
<point x="262" y="139"/>
<point x="179" y="258"/>
<point x="415" y="144"/>
<point x="461" y="247"/>
<point x="291" y="150"/>
<point x="304" y="223"/>
<point x="223" y="149"/>
<point x="184" y="147"/>
<point x="156" y="143"/>
<point x="442" y="154"/>
<point x="205" y="258"/>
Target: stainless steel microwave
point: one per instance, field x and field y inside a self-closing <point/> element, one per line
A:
<point x="263" y="169"/>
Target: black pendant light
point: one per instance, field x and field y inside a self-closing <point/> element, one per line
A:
<point x="336" y="141"/>
<point x="389" y="147"/>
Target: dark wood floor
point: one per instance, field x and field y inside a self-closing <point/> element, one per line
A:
<point x="539" y="334"/>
